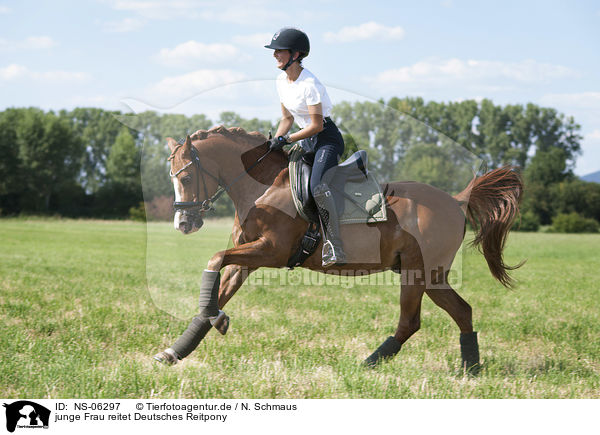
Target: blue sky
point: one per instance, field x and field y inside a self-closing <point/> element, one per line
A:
<point x="206" y="56"/>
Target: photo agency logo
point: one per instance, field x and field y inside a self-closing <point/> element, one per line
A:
<point x="26" y="415"/>
<point x="194" y="168"/>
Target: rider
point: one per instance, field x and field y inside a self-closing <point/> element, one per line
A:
<point x="304" y="100"/>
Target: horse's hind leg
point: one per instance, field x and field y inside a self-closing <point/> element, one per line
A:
<point x="411" y="294"/>
<point x="461" y="312"/>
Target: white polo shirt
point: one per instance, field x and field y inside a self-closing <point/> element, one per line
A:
<point x="306" y="91"/>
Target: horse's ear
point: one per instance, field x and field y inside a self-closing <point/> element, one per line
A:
<point x="172" y="143"/>
<point x="187" y="146"/>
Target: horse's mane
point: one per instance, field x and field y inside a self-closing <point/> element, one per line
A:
<point x="254" y="137"/>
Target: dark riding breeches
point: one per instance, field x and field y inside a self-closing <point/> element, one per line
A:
<point x="330" y="147"/>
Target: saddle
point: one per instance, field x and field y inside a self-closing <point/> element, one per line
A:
<point x="357" y="193"/>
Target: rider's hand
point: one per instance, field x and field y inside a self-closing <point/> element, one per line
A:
<point x="278" y="142"/>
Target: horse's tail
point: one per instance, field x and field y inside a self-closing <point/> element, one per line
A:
<point x="491" y="204"/>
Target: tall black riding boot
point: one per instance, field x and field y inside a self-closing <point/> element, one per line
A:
<point x="333" y="252"/>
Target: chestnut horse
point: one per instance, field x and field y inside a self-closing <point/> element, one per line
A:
<point x="424" y="230"/>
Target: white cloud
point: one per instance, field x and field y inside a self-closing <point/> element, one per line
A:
<point x="584" y="107"/>
<point x="191" y="51"/>
<point x="254" y="40"/>
<point x="188" y="85"/>
<point x="38" y="42"/>
<point x="249" y="98"/>
<point x="370" y="30"/>
<point x="157" y="9"/>
<point x="583" y="100"/>
<point x="30" y="43"/>
<point x="124" y="25"/>
<point x="245" y="14"/>
<point x="17" y="72"/>
<point x="4" y="10"/>
<point x="436" y="71"/>
<point x="594" y="135"/>
<point x="236" y="12"/>
<point x="13" y="71"/>
<point x="61" y="76"/>
<point x="93" y="101"/>
<point x="589" y="161"/>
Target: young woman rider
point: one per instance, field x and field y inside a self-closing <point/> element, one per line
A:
<point x="304" y="100"/>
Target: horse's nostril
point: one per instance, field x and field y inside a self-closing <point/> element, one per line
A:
<point x="183" y="227"/>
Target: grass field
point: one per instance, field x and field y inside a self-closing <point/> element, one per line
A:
<point x="85" y="304"/>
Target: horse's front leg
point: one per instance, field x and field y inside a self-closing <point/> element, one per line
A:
<point x="214" y="294"/>
<point x="233" y="278"/>
<point x="262" y="252"/>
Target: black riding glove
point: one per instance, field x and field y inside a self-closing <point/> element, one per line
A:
<point x="278" y="142"/>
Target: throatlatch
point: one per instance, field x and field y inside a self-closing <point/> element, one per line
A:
<point x="209" y="316"/>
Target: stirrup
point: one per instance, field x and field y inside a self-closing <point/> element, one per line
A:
<point x="331" y="255"/>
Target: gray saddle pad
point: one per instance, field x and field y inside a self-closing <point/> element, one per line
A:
<point x="357" y="192"/>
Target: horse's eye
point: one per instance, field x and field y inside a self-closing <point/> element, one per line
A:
<point x="186" y="180"/>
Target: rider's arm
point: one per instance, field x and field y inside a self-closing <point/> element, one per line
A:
<point x="315" y="126"/>
<point x="287" y="120"/>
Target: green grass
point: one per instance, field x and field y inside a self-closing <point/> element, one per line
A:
<point x="85" y="304"/>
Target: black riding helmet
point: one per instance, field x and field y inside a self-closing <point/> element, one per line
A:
<point x="293" y="40"/>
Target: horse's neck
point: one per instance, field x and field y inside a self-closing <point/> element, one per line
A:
<point x="245" y="186"/>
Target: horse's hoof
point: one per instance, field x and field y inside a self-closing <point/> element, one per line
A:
<point x="221" y="322"/>
<point x="388" y="349"/>
<point x="469" y="352"/>
<point x="471" y="370"/>
<point x="166" y="357"/>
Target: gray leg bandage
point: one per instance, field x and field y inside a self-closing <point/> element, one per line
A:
<point x="191" y="337"/>
<point x="209" y="294"/>
<point x="209" y="316"/>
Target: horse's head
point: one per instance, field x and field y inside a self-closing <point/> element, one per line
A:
<point x="193" y="186"/>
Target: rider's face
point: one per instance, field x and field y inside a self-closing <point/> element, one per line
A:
<point x="282" y="57"/>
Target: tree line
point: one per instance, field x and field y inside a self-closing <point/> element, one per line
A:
<point x="90" y="162"/>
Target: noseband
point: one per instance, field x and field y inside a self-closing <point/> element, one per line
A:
<point x="206" y="205"/>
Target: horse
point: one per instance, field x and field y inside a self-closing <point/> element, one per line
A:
<point x="425" y="228"/>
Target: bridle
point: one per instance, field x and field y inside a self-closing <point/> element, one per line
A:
<point x="207" y="205"/>
<point x="196" y="205"/>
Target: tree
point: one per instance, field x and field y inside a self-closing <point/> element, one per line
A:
<point x="232" y="119"/>
<point x="10" y="164"/>
<point x="434" y="164"/>
<point x="122" y="189"/>
<point x="548" y="167"/>
<point x="123" y="162"/>
<point x="376" y="128"/>
<point x="50" y="154"/>
<point x="553" y="130"/>
<point x="97" y="130"/>
<point x="578" y="196"/>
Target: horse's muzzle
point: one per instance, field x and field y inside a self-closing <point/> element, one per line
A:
<point x="189" y="222"/>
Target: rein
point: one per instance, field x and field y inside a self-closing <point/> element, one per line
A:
<point x="207" y="204"/>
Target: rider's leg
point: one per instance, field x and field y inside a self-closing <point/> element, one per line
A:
<point x="326" y="157"/>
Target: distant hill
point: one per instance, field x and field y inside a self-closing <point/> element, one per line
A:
<point x="594" y="176"/>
